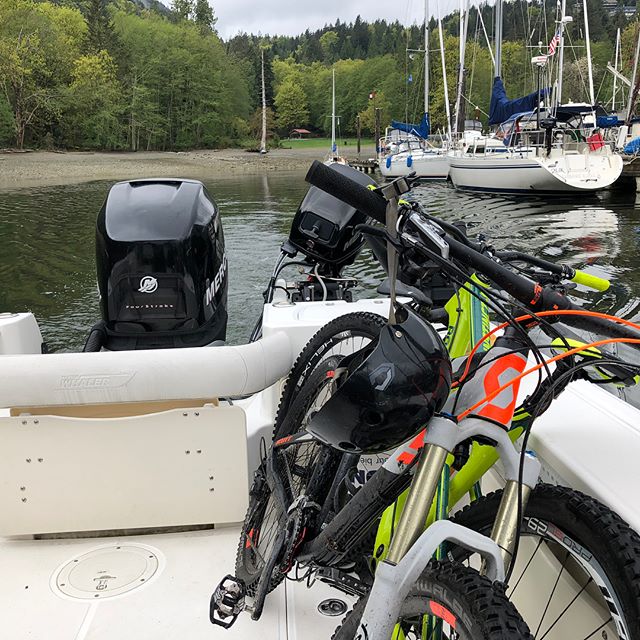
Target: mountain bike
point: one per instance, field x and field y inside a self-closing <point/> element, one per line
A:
<point x="303" y="512"/>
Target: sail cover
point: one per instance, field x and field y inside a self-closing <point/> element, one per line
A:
<point x="421" y="130"/>
<point x="501" y="108"/>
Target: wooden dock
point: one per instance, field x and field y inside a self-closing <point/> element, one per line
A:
<point x="366" y="166"/>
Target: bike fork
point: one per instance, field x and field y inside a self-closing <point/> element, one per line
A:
<point x="421" y="495"/>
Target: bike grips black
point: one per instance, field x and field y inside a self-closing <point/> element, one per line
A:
<point x="343" y="188"/>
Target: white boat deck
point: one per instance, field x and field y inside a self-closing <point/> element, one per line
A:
<point x="170" y="604"/>
<point x="158" y="586"/>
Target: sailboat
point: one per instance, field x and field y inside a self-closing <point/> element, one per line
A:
<point x="333" y="155"/>
<point x="263" y="141"/>
<point x="536" y="150"/>
<point x="404" y="154"/>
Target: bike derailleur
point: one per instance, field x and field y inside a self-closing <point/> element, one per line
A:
<point x="227" y="601"/>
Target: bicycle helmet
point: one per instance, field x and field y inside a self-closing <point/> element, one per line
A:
<point x="390" y="395"/>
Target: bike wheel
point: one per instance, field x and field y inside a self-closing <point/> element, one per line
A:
<point x="265" y="518"/>
<point x="340" y="337"/>
<point x="577" y="572"/>
<point x="466" y="604"/>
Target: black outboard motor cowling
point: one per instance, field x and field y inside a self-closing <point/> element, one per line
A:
<point x="323" y="228"/>
<point x="162" y="269"/>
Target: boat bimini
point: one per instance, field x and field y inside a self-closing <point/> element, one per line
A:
<point x="126" y="468"/>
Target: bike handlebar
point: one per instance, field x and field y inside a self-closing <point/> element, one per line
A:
<point x="340" y="186"/>
<point x="530" y="293"/>
<point x="575" y="275"/>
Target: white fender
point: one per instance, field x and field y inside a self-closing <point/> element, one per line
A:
<point x="140" y="376"/>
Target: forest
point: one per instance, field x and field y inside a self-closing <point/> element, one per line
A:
<point x="123" y="75"/>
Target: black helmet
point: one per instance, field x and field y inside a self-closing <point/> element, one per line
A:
<point x="390" y="396"/>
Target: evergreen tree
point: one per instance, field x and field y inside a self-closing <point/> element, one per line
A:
<point x="182" y="9"/>
<point x="204" y="17"/>
<point x="100" y="33"/>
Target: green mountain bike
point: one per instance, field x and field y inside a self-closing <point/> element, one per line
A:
<point x="569" y="563"/>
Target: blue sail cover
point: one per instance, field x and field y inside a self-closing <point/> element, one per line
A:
<point x="501" y="108"/>
<point x="421" y="130"/>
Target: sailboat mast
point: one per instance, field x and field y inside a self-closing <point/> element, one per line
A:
<point x="498" y="40"/>
<point x="561" y="54"/>
<point x="592" y="95"/>
<point x="263" y="142"/>
<point x="464" y="17"/>
<point x="633" y="89"/>
<point x="615" y="77"/>
<point x="426" y="56"/>
<point x="444" y="72"/>
<point x="334" y="147"/>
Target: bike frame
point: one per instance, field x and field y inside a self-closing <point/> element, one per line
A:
<point x="412" y="546"/>
<point x="468" y="323"/>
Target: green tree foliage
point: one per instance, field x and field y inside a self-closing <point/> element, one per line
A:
<point x="111" y="74"/>
<point x="93" y="106"/>
<point x="203" y="16"/>
<point x="155" y="84"/>
<point x="182" y="9"/>
<point x="100" y="33"/>
<point x="291" y="104"/>
<point x="38" y="44"/>
<point x="7" y="123"/>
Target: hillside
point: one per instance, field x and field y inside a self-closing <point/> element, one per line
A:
<point x="111" y="74"/>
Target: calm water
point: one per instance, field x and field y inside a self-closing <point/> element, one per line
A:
<point x="47" y="262"/>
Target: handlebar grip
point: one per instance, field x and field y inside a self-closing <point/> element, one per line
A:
<point x="591" y="281"/>
<point x="343" y="188"/>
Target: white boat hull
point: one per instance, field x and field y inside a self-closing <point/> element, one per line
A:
<point x="432" y="165"/>
<point x="161" y="588"/>
<point x="526" y="173"/>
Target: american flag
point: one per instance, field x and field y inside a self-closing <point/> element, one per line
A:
<point x="555" y="41"/>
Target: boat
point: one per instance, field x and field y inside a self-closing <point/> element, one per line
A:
<point x="542" y="150"/>
<point x="333" y="156"/>
<point x="126" y="471"/>
<point x="263" y="138"/>
<point x="406" y="148"/>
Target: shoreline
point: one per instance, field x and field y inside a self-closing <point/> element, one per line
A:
<point x="48" y="168"/>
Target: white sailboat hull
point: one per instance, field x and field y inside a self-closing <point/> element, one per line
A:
<point x="527" y="173"/>
<point x="428" y="164"/>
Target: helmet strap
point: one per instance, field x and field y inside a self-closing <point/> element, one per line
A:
<point x="392" y="255"/>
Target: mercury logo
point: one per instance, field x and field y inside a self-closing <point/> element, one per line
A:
<point x="218" y="281"/>
<point x="148" y="284"/>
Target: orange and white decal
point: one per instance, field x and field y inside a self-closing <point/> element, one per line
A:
<point x="501" y="408"/>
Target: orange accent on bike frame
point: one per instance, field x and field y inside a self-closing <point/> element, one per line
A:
<point x="560" y="356"/>
<point x="502" y="415"/>
<point x="407" y="458"/>
<point x="282" y="441"/>
<point x="537" y="292"/>
<point x="541" y="314"/>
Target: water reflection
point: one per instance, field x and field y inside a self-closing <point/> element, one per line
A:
<point x="47" y="262"/>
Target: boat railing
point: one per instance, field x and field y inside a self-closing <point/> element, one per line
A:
<point x="535" y="142"/>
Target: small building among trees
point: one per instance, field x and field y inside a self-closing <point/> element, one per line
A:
<point x="299" y="134"/>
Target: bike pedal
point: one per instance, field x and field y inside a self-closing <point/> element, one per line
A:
<point x="227" y="601"/>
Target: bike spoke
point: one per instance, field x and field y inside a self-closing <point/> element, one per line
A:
<point x="544" y="613"/>
<point x="593" y="633"/>
<point x="586" y="584"/>
<point x="509" y="595"/>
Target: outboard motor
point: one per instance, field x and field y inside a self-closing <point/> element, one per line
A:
<point x="323" y="228"/>
<point x="162" y="269"/>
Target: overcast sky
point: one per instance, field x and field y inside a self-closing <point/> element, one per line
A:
<point x="291" y="17"/>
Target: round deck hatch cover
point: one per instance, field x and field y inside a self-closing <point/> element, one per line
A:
<point x="107" y="572"/>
